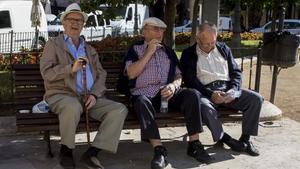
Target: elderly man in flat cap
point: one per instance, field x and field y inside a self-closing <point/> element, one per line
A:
<point x="153" y="73"/>
<point x="61" y="69"/>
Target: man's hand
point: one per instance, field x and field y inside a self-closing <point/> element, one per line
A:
<point x="90" y="102"/>
<point x="152" y="46"/>
<point x="217" y="97"/>
<point x="229" y="97"/>
<point x="78" y="64"/>
<point x="168" y="91"/>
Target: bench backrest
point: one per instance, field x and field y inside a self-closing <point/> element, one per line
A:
<point x="29" y="84"/>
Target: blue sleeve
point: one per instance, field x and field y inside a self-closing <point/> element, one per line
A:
<point x="235" y="73"/>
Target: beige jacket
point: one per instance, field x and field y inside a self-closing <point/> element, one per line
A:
<point x="56" y="65"/>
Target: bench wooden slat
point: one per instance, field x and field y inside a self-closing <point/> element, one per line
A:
<point x="31" y="82"/>
<point x="34" y="78"/>
<point x="27" y="72"/>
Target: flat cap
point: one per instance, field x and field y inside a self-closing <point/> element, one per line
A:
<point x="153" y="21"/>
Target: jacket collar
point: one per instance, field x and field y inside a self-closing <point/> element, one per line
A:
<point x="60" y="42"/>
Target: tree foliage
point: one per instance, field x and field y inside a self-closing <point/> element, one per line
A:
<point x="92" y="5"/>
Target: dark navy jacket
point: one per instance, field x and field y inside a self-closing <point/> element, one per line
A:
<point x="132" y="56"/>
<point x="188" y="63"/>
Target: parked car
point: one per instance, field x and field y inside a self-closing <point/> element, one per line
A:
<point x="55" y="27"/>
<point x="15" y="17"/>
<point x="184" y="28"/>
<point x="290" y="25"/>
<point x="50" y="17"/>
<point x="224" y="24"/>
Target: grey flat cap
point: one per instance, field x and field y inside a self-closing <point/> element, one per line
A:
<point x="153" y="21"/>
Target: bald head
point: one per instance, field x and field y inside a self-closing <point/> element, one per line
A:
<point x="207" y="28"/>
<point x="207" y="37"/>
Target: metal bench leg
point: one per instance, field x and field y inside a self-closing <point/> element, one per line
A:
<point x="47" y="139"/>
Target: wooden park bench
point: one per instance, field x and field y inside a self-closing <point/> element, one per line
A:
<point x="29" y="90"/>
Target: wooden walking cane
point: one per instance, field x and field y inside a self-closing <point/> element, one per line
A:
<point x="87" y="125"/>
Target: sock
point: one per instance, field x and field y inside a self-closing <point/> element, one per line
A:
<point x="65" y="150"/>
<point x="226" y="138"/>
<point x="93" y="151"/>
<point x="244" y="137"/>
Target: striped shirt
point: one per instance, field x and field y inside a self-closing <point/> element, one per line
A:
<point x="155" y="73"/>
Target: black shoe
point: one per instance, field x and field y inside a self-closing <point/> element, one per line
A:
<point x="66" y="158"/>
<point x="67" y="162"/>
<point x="196" y="150"/>
<point x="90" y="162"/>
<point x="235" y="145"/>
<point x="159" y="160"/>
<point x="250" y="149"/>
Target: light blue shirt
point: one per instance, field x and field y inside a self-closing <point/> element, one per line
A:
<point x="76" y="53"/>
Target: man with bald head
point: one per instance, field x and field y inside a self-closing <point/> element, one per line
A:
<point x="209" y="67"/>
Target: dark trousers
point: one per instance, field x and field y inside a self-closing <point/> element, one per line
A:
<point x="250" y="103"/>
<point x="187" y="101"/>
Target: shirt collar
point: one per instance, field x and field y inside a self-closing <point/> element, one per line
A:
<point x="201" y="52"/>
<point x="66" y="38"/>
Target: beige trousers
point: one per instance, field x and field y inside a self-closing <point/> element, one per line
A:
<point x="110" y="113"/>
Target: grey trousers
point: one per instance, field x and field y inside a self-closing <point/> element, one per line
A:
<point x="110" y="113"/>
<point x="250" y="103"/>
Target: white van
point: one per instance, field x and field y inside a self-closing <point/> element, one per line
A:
<point x="224" y="24"/>
<point x="126" y="25"/>
<point x="96" y="27"/>
<point x="15" y="16"/>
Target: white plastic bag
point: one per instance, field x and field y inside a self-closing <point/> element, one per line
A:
<point x="41" y="107"/>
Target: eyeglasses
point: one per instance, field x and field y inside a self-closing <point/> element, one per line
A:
<point x="155" y="29"/>
<point x="73" y="20"/>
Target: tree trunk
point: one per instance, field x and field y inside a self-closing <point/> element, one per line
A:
<point x="195" y="22"/>
<point x="275" y="6"/>
<point x="255" y="13"/>
<point x="236" y="38"/>
<point x="170" y="12"/>
<point x="157" y="10"/>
